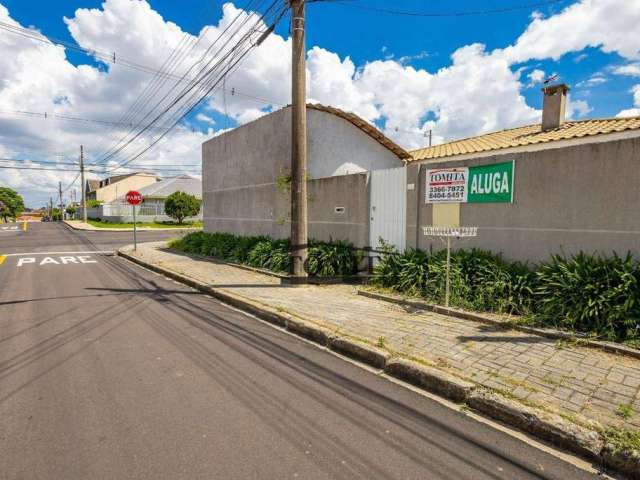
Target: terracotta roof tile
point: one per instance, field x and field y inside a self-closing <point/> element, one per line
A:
<point x="527" y="135"/>
<point x="366" y="127"/>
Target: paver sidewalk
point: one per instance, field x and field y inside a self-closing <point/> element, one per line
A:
<point x="582" y="384"/>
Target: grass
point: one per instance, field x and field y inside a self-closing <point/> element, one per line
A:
<point x="159" y="225"/>
<point x="622" y="439"/>
<point x="381" y="342"/>
<point x="625" y="411"/>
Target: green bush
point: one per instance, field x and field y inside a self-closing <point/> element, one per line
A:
<point x="584" y="293"/>
<point x="332" y="259"/>
<point x="180" y="205"/>
<point x="325" y="258"/>
<point x="479" y="279"/>
<point x="591" y="293"/>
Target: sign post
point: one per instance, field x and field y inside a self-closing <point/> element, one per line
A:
<point x="134" y="198"/>
<point x="449" y="233"/>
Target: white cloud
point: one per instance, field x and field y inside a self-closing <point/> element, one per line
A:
<point x="478" y="91"/>
<point x="577" y="108"/>
<point x="632" y="112"/>
<point x="631" y="69"/>
<point x="417" y="56"/>
<point x="595" y="79"/>
<point x="536" y="76"/>
<point x="205" y="118"/>
<point x="606" y="24"/>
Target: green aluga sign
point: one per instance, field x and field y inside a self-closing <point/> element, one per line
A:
<point x="491" y="183"/>
<point x="482" y="184"/>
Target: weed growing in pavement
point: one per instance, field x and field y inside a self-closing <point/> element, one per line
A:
<point x="625" y="411"/>
<point x="622" y="439"/>
<point x="565" y="343"/>
<point x="381" y="341"/>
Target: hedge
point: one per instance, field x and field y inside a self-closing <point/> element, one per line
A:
<point x="587" y="293"/>
<point x="335" y="258"/>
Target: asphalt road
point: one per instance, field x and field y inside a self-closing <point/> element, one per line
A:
<point x="108" y="371"/>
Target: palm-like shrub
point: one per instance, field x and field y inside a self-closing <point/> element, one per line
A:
<point x="332" y="259"/>
<point x="591" y="293"/>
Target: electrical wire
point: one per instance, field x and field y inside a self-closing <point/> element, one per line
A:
<point x="196" y="89"/>
<point x="210" y="80"/>
<point x="468" y="13"/>
<point x="131" y="135"/>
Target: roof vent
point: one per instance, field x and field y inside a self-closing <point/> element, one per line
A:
<point x="553" y="106"/>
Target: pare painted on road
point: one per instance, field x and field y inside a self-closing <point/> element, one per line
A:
<point x="57" y="260"/>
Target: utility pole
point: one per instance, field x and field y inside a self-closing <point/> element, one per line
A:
<point x="51" y="208"/>
<point x="84" y="193"/>
<point x="299" y="140"/>
<point x="61" y="204"/>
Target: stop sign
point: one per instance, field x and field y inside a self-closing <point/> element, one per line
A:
<point x="133" y="197"/>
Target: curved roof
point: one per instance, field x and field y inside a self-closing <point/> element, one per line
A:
<point x="528" y="135"/>
<point x="181" y="183"/>
<point x="365" y="126"/>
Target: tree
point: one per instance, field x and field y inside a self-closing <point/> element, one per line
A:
<point x="56" y="214"/>
<point x="11" y="204"/>
<point x="71" y="210"/>
<point x="180" y="205"/>
<point x="93" y="203"/>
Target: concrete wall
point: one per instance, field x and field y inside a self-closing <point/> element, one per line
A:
<point x="584" y="197"/>
<point x="244" y="173"/>
<point x="338" y="209"/>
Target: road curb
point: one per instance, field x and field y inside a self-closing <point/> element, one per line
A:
<point x="622" y="461"/>
<point x="550" y="427"/>
<point x="140" y="229"/>
<point x="431" y="379"/>
<point x="360" y="351"/>
<point x="311" y="332"/>
<point x="476" y="317"/>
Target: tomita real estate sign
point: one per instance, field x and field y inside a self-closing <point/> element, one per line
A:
<point x="482" y="184"/>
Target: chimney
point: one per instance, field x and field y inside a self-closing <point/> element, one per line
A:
<point x="553" y="106"/>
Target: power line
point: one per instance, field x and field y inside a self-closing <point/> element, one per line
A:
<point x="47" y="116"/>
<point x="468" y="13"/>
<point x="205" y="81"/>
<point x="210" y="79"/>
<point x="46" y="162"/>
<point x="49" y="166"/>
<point x="197" y="81"/>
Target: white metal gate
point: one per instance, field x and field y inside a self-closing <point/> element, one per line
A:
<point x="388" y="207"/>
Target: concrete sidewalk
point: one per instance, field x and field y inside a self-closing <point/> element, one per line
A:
<point x="583" y="385"/>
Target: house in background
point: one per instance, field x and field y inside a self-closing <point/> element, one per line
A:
<point x="157" y="193"/>
<point x="152" y="207"/>
<point x="109" y="189"/>
<point x="246" y="175"/>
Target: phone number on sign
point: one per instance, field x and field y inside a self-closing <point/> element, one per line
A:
<point x="447" y="193"/>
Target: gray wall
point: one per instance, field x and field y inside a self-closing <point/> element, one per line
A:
<point x="265" y="210"/>
<point x="584" y="197"/>
<point x="241" y="170"/>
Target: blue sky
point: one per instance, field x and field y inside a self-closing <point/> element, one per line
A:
<point x="366" y="35"/>
<point x="455" y="75"/>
